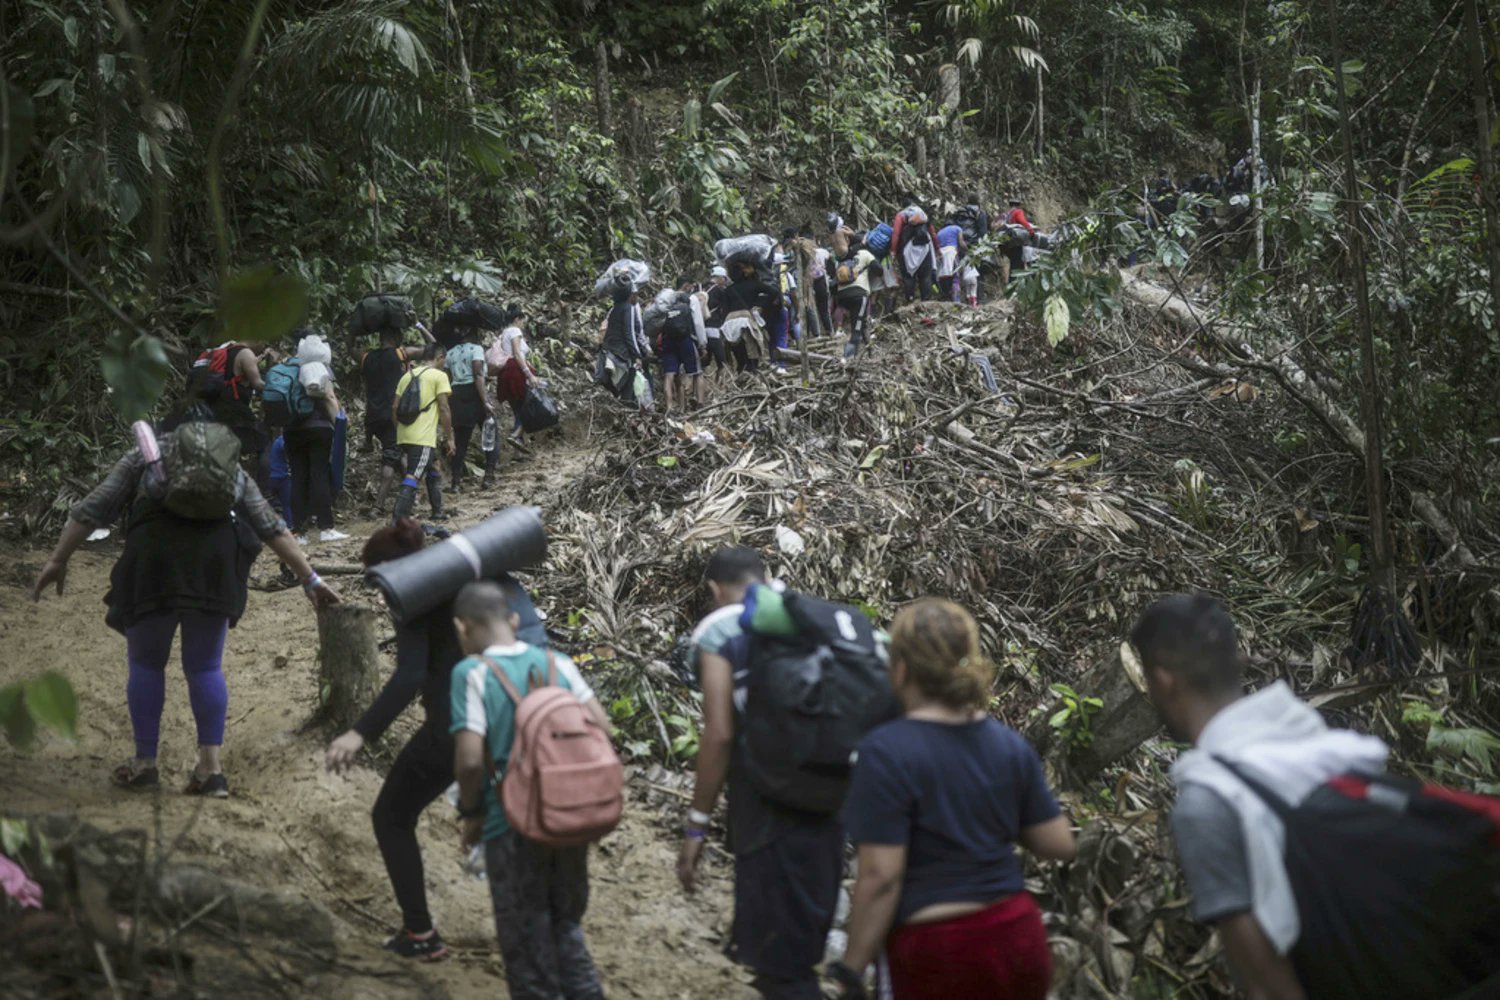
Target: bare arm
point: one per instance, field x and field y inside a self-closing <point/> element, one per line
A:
<point x="56" y="568"/>
<point x="1262" y="973"/>
<point x="877" y="892"/>
<point x="330" y="403"/>
<point x="445" y="418"/>
<point x="714" y="744"/>
<point x="247" y="368"/>
<point x="477" y="367"/>
<point x="717" y="738"/>
<point x="1050" y="841"/>
<point x="469" y="769"/>
<point x="290" y="553"/>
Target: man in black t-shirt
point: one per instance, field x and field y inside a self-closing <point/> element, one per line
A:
<point x="382" y="368"/>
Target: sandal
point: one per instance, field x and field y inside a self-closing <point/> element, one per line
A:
<point x="126" y="776"/>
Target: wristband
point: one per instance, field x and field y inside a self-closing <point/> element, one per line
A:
<point x="696" y="818"/>
<point x="313" y="582"/>
<point x="695" y="833"/>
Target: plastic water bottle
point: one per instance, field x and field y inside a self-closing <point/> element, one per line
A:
<point x="489" y="437"/>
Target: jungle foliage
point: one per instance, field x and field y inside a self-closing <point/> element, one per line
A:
<point x="170" y="167"/>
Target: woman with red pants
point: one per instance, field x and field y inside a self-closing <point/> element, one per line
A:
<point x="939" y="800"/>
<point x="513" y="373"/>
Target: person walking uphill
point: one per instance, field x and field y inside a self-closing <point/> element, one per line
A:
<point x="382" y="369"/>
<point x="1323" y="876"/>
<point x="194" y="523"/>
<point x="939" y="799"/>
<point x="418" y="415"/>
<point x="784" y="827"/>
<point x="427" y="649"/>
<point x="540" y="893"/>
<point x="508" y="362"/>
<point x="309" y="441"/>
<point x="470" y="402"/>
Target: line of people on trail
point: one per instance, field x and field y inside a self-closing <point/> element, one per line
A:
<point x="765" y="295"/>
<point x="1324" y="875"/>
<point x="295" y="446"/>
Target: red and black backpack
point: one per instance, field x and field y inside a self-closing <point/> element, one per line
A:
<point x="213" y="376"/>
<point x="1397" y="885"/>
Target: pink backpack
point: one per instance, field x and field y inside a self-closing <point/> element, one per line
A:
<point x="564" y="785"/>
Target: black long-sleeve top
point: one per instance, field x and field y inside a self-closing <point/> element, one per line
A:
<point x="427" y="650"/>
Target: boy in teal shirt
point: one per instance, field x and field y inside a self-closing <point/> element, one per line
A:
<point x="539" y="893"/>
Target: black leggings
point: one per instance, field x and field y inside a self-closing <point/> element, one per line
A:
<point x="423" y="770"/>
<point x="824" y="307"/>
<point x="308" y="451"/>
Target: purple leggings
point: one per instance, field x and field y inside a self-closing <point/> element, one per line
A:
<point x="148" y="646"/>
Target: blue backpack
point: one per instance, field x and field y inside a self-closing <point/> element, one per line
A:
<point x="283" y="400"/>
<point x="878" y="240"/>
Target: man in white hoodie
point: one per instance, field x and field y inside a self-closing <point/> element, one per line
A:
<point x="1228" y="841"/>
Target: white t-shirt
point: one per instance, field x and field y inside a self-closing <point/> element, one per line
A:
<point x="510" y="344"/>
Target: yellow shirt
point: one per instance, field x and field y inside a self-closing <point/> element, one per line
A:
<point x="424" y="430"/>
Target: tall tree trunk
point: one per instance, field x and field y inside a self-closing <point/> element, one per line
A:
<point x="1381" y="634"/>
<point x="1487" y="193"/>
<point x="1256" y="200"/>
<point x="463" y="57"/>
<point x="1041" y="131"/>
<point x="601" y="89"/>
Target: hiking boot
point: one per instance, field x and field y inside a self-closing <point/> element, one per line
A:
<point x="215" y="786"/>
<point x="438" y="515"/>
<point x="454" y="488"/>
<point x="488" y="482"/>
<point x="429" y="949"/>
<point x="126" y="776"/>
<point x="331" y="535"/>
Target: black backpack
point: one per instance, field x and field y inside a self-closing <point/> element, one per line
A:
<point x="811" y="698"/>
<point x="1397" y="886"/>
<point x="677" y="324"/>
<point x="409" y="407"/>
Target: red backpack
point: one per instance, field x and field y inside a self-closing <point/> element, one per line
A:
<point x="564" y="785"/>
<point x="213" y="373"/>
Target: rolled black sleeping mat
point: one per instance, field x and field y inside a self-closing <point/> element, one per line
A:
<point x="512" y="539"/>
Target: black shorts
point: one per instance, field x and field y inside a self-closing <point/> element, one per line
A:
<point x="785" y="895"/>
<point x="384" y="431"/>
<point x="420" y="461"/>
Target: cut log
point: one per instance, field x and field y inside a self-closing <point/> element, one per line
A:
<point x="348" y="662"/>
<point x="1125" y="722"/>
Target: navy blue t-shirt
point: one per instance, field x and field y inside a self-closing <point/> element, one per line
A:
<point x="957" y="796"/>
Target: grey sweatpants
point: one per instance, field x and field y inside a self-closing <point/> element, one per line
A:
<point x="540" y="895"/>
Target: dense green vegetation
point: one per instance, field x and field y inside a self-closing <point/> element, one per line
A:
<point x="173" y="167"/>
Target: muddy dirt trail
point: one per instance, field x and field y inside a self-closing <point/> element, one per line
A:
<point x="291" y="826"/>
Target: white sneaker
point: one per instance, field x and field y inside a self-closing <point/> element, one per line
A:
<point x="301" y="540"/>
<point x="331" y="535"/>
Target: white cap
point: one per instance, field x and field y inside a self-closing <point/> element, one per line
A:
<point x="719" y="272"/>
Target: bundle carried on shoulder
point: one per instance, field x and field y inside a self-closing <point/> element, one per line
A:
<point x="622" y="278"/>
<point x="819" y="681"/>
<point x="380" y="312"/>
<point x="464" y="317"/>
<point x="751" y="249"/>
<point x="878" y="240"/>
<point x="671" y="313"/>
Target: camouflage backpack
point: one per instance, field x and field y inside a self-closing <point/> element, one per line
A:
<point x="202" y="465"/>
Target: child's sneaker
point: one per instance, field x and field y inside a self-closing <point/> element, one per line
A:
<point x="331" y="535"/>
<point x="428" y="949"/>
